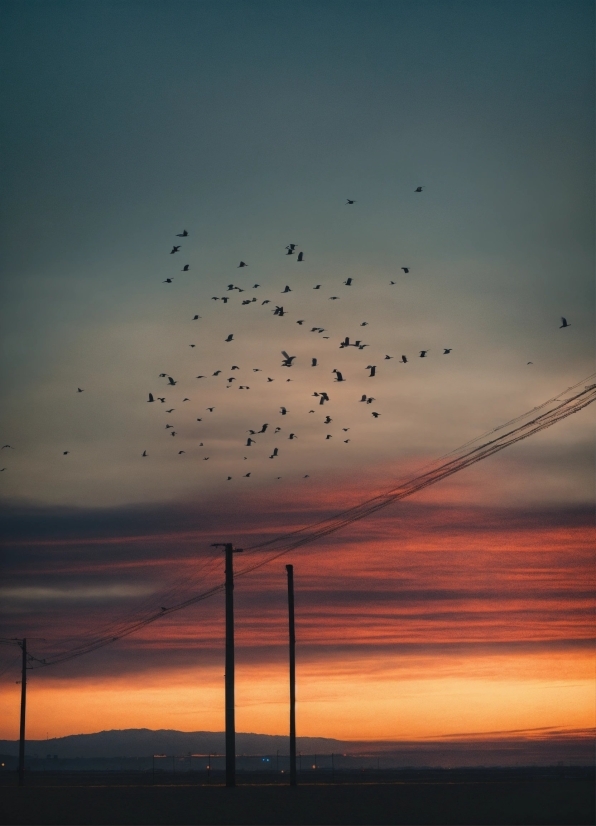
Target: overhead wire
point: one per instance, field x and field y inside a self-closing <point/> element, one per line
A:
<point x="288" y="541"/>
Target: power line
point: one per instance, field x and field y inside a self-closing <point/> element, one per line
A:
<point x="282" y="544"/>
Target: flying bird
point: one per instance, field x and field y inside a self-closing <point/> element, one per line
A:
<point x="328" y="420"/>
<point x="292" y="436"/>
<point x="287" y="362"/>
<point x="162" y="399"/>
<point x="210" y="409"/>
<point x="323" y="398"/>
<point x="300" y="256"/>
<point x="338" y="375"/>
<point x="328" y="436"/>
<point x="286" y="289"/>
<point x="346" y="441"/>
<point x="149" y="400"/>
<point x="144" y="453"/>
<point x="275" y="452"/>
<point x="192" y="345"/>
<point x="333" y="297"/>
<point x="419" y="189"/>
<point x="254" y="286"/>
<point x="350" y="202"/>
<point x="182" y="234"/>
<point x="372" y="369"/>
<point x="181" y="451"/>
<point x="313" y="363"/>
<point x="230" y="337"/>
<point x="250" y="442"/>
<point x="348" y="282"/>
<point x="406" y="269"/>
<point x="388" y="357"/>
<point x="171" y="410"/>
<point x="186" y="268"/>
<point x="174" y="249"/>
<point x="364" y="324"/>
<point x="564" y="323"/>
<point x="423" y="353"/>
<point x="196" y="317"/>
<point x="242" y="264"/>
<point x="376" y="415"/>
<point x="318" y="287"/>
<point x="65" y="452"/>
<point x="171" y="381"/>
<point x="301" y="321"/>
<point x="246" y="475"/>
<point x="447" y="350"/>
<point x="404" y="360"/>
<point x="291" y="247"/>
<point x="283" y="411"/>
<point x="167" y="281"/>
<point x="4" y="446"/>
<point x="263" y="428"/>
<point x="290" y="251"/>
<point x="80" y="390"/>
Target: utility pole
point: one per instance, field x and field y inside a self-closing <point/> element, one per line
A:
<point x="230" y="715"/>
<point x="290" y="570"/>
<point x="23" y="704"/>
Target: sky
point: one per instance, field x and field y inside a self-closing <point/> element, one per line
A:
<point x="466" y="609"/>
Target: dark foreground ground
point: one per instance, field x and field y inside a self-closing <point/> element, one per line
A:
<point x="458" y="797"/>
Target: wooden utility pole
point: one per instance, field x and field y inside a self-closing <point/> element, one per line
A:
<point x="290" y="570"/>
<point x="229" y="702"/>
<point x="23" y="704"/>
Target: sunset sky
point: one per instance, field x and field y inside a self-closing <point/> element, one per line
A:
<point x="466" y="609"/>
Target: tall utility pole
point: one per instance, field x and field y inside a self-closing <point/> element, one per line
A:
<point x="290" y="570"/>
<point x="23" y="704"/>
<point x="230" y="713"/>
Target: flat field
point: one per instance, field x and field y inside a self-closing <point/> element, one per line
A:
<point x="419" y="798"/>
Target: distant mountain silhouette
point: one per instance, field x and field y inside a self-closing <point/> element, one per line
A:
<point x="143" y="742"/>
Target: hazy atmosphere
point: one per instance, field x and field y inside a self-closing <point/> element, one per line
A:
<point x="417" y="177"/>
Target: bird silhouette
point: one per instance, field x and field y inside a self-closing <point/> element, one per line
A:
<point x="447" y="350"/>
<point x="346" y="441"/>
<point x="286" y="289"/>
<point x="150" y="399"/>
<point x="144" y="453"/>
<point x="404" y="360"/>
<point x="80" y="390"/>
<point x="229" y="477"/>
<point x="181" y="451"/>
<point x="242" y="264"/>
<point x="210" y="409"/>
<point x="328" y="420"/>
<point x="333" y="297"/>
<point x="291" y="247"/>
<point x="313" y="363"/>
<point x="230" y="337"/>
<point x="290" y="251"/>
<point x="318" y="287"/>
<point x="328" y="436"/>
<point x="254" y="286"/>
<point x="300" y="321"/>
<point x="283" y="411"/>
<point x="376" y="415"/>
<point x="350" y="202"/>
<point x="364" y="323"/>
<point x="192" y="345"/>
<point x="287" y="362"/>
<point x="167" y="281"/>
<point x="169" y="426"/>
<point x="171" y="381"/>
<point x="274" y="454"/>
<point x="345" y="429"/>
<point x="564" y="323"/>
<point x="246" y="475"/>
<point x="406" y="269"/>
<point x="65" y="452"/>
<point x="174" y="249"/>
<point x="196" y="317"/>
<point x="423" y="354"/>
<point x="292" y="436"/>
<point x="323" y="398"/>
<point x="162" y="399"/>
<point x="263" y="428"/>
<point x="338" y="375"/>
<point x="388" y="357"/>
<point x="300" y="256"/>
<point x="250" y="442"/>
<point x="182" y="234"/>
<point x="373" y="370"/>
<point x="186" y="268"/>
<point x="171" y="410"/>
<point x="419" y="189"/>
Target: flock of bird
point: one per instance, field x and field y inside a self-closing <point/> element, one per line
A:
<point x="287" y="361"/>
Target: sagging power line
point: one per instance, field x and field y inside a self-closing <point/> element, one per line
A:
<point x="282" y="544"/>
